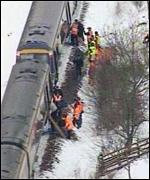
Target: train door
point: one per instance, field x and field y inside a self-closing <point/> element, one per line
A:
<point x="47" y="97"/>
<point x="52" y="67"/>
<point x="56" y="57"/>
<point x="53" y="63"/>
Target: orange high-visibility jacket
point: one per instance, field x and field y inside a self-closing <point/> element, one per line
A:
<point x="78" y="110"/>
<point x="68" y="123"/>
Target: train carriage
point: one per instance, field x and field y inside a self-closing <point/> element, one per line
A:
<point x="41" y="37"/>
<point x="28" y="92"/>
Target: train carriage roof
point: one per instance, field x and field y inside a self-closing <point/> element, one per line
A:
<point x="42" y="23"/>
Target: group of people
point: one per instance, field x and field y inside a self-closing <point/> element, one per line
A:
<point x="94" y="50"/>
<point x="77" y="33"/>
<point x="66" y="116"/>
<point x="73" y="33"/>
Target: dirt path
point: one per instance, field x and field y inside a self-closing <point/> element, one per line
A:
<point x="70" y="88"/>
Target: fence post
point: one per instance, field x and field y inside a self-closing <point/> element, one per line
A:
<point x="138" y="147"/>
<point x="101" y="164"/>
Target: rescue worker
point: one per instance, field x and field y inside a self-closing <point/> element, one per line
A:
<point x="68" y="125"/>
<point x="60" y="103"/>
<point x="97" y="40"/>
<point x="74" y="33"/>
<point x="78" y="62"/>
<point x="92" y="51"/>
<point x="89" y="35"/>
<point x="77" y="113"/>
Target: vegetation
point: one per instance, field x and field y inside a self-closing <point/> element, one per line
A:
<point x="122" y="85"/>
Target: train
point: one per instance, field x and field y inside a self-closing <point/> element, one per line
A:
<point x="29" y="90"/>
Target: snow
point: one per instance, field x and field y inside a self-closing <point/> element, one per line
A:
<point x="139" y="170"/>
<point x="13" y="18"/>
<point x="102" y="15"/>
<point x="65" y="51"/>
<point x="77" y="158"/>
<point x="143" y="131"/>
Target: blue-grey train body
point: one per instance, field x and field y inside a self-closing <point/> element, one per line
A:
<point x="28" y="93"/>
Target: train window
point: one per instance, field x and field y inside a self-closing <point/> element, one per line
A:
<point x="41" y="57"/>
<point x="26" y="56"/>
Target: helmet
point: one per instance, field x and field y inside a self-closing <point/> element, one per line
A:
<point x="96" y="32"/>
<point x="89" y="28"/>
<point x="92" y="43"/>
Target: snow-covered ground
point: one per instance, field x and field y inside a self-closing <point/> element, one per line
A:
<point x="77" y="159"/>
<point x="139" y="170"/>
<point x="13" y="18"/>
<point x="114" y="14"/>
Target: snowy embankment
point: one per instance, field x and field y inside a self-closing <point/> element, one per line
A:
<point x="139" y="170"/>
<point x="78" y="159"/>
<point x="13" y="18"/>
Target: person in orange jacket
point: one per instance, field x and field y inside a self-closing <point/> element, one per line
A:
<point x="68" y="124"/>
<point x="77" y="112"/>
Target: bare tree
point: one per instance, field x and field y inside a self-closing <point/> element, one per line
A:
<point x="122" y="85"/>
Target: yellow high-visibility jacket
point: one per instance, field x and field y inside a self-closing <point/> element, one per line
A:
<point x="92" y="50"/>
